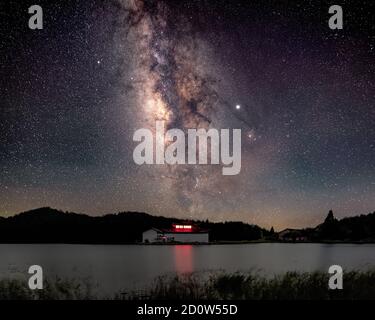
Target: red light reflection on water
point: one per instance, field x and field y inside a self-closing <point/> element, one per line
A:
<point x="183" y="258"/>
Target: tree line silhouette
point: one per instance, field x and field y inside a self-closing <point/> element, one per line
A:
<point x="47" y="225"/>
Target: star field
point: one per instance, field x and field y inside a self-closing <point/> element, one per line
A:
<point x="73" y="94"/>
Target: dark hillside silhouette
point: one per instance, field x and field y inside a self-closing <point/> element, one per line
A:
<point x="358" y="228"/>
<point x="46" y="225"/>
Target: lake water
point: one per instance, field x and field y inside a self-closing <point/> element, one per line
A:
<point x="115" y="268"/>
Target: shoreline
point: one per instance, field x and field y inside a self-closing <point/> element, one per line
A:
<point x="188" y="243"/>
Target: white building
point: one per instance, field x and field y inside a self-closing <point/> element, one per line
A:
<point x="178" y="233"/>
<point x="152" y="235"/>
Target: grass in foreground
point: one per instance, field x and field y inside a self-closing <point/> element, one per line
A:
<point x="214" y="285"/>
<point x="56" y="289"/>
<point x="252" y="286"/>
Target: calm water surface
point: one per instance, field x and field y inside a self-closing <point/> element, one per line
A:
<point x="115" y="268"/>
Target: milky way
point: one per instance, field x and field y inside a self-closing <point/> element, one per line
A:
<point x="173" y="83"/>
<point x="303" y="95"/>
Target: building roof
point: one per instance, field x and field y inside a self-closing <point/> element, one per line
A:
<point x="183" y="232"/>
<point x="177" y="232"/>
<point x="155" y="229"/>
<point x="290" y="230"/>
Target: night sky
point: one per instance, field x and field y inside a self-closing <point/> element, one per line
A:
<point x="73" y="94"/>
